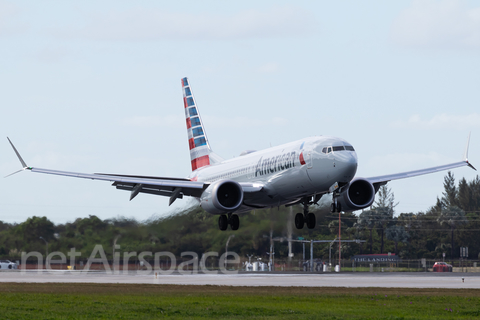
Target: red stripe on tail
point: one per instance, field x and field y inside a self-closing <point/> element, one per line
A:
<point x="191" y="143"/>
<point x="200" y="162"/>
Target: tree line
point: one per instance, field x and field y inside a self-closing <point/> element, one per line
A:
<point x="452" y="222"/>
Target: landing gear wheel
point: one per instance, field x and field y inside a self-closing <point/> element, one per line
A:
<point x="299" y="221"/>
<point x="339" y="207"/>
<point x="333" y="208"/>
<point x="311" y="220"/>
<point x="223" y="222"/>
<point x="234" y="222"/>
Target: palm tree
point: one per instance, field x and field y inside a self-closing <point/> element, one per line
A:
<point x="442" y="248"/>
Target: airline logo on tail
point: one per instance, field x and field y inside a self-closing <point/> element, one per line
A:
<point x="197" y="140"/>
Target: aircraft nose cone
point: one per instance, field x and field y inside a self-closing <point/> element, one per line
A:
<point x="349" y="164"/>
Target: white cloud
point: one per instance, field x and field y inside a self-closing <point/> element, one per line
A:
<point x="8" y="13"/>
<point x="146" y="24"/>
<point x="52" y="54"/>
<point x="440" y="121"/>
<point x="447" y="24"/>
<point x="209" y="122"/>
<point x="154" y="121"/>
<point x="241" y="122"/>
<point x="270" y="67"/>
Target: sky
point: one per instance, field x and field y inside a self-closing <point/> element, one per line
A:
<point x="94" y="86"/>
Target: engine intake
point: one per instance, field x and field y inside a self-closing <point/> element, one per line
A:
<point x="222" y="197"/>
<point x="359" y="194"/>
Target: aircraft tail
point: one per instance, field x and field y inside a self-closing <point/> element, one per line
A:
<point x="201" y="154"/>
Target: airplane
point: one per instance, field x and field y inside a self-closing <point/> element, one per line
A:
<point x="299" y="172"/>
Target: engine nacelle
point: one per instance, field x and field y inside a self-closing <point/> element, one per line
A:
<point x="359" y="194"/>
<point x="222" y="197"/>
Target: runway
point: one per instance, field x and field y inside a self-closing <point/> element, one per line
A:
<point x="352" y="280"/>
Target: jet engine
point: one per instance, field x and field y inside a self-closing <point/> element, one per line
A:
<point x="359" y="194"/>
<point x="221" y="197"/>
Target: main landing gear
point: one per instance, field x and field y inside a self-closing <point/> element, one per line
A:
<point x="231" y="219"/>
<point x="305" y="217"/>
<point x="336" y="206"/>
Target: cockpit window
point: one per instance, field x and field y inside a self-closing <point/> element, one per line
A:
<point x="337" y="148"/>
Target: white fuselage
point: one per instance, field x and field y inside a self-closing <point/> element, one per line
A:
<point x="289" y="171"/>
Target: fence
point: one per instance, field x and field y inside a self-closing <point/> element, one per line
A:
<point x="420" y="265"/>
<point x="280" y="265"/>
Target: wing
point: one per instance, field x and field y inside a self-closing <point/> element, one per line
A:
<point x="381" y="180"/>
<point x="174" y="188"/>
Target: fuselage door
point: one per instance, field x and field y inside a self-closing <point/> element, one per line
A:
<point x="308" y="159"/>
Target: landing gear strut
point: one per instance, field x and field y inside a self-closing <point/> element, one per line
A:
<point x="232" y="219"/>
<point x="336" y="206"/>
<point x="306" y="217"/>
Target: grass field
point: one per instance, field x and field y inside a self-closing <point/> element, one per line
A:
<point x="131" y="301"/>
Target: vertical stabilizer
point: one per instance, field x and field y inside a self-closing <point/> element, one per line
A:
<point x="201" y="154"/>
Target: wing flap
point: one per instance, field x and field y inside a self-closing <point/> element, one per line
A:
<point x="166" y="191"/>
<point x="138" y="184"/>
<point x="124" y="179"/>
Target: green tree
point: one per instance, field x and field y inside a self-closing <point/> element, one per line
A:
<point x="34" y="228"/>
<point x="397" y="234"/>
<point x="384" y="209"/>
<point x="449" y="198"/>
<point x="464" y="195"/>
<point x="366" y="221"/>
<point x="453" y="217"/>
<point x="442" y="248"/>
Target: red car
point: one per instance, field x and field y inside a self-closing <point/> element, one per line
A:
<point x="442" y="267"/>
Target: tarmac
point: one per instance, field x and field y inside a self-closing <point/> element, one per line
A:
<point x="347" y="280"/>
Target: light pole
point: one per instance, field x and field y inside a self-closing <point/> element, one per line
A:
<point x="46" y="243"/>
<point x="339" y="240"/>
<point x="330" y="252"/>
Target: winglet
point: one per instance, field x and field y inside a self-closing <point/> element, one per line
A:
<point x="18" y="154"/>
<point x="19" y="158"/>
<point x="465" y="156"/>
